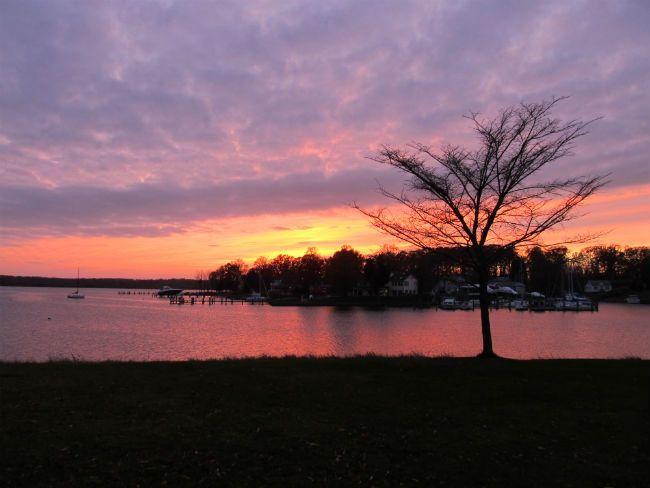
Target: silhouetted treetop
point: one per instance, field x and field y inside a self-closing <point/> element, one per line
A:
<point x="488" y="196"/>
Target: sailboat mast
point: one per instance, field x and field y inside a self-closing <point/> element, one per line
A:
<point x="570" y="277"/>
<point x="261" y="285"/>
<point x="77" y="280"/>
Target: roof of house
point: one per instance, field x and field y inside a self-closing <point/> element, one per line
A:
<point x="402" y="276"/>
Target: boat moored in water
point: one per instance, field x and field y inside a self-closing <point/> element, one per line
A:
<point x="449" y="304"/>
<point x="255" y="298"/>
<point x="573" y="301"/>
<point x="75" y="294"/>
<point x="166" y="291"/>
<point x="519" y="304"/>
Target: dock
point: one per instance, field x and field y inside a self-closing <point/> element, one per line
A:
<point x="210" y="299"/>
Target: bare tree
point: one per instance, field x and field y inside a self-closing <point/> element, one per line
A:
<point x="490" y="198"/>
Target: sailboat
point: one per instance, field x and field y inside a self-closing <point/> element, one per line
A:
<point x="76" y="294"/>
<point x="573" y="300"/>
<point x="257" y="297"/>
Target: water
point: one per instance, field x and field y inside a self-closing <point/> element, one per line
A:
<point x="138" y="327"/>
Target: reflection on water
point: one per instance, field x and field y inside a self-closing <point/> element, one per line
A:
<point x="137" y="327"/>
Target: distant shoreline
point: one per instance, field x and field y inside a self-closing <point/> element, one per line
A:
<point x="124" y="283"/>
<point x="412" y="301"/>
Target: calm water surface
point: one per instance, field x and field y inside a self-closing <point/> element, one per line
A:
<point x="138" y="327"/>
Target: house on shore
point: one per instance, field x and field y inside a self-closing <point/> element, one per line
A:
<point x="400" y="285"/>
<point x="450" y="285"/>
<point x="598" y="286"/>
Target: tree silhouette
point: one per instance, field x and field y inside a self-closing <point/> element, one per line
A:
<point x="489" y="198"/>
<point x="228" y="277"/>
<point x="311" y="268"/>
<point x="344" y="270"/>
<point x="378" y="267"/>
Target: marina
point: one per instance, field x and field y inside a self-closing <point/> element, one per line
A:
<point x="534" y="302"/>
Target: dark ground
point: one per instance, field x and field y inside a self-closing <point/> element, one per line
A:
<point x="368" y="421"/>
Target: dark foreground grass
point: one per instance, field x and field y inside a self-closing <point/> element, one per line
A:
<point x="368" y="421"/>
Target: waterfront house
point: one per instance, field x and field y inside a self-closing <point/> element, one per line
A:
<point x="449" y="285"/>
<point x="400" y="285"/>
<point x="598" y="286"/>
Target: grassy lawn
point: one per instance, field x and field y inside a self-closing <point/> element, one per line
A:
<point x="369" y="421"/>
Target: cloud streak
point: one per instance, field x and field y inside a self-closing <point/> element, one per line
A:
<point x="154" y="209"/>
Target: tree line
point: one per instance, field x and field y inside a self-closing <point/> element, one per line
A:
<point x="347" y="270"/>
<point x="125" y="283"/>
<point x="543" y="270"/>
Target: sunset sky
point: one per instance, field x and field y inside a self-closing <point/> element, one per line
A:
<point x="160" y="138"/>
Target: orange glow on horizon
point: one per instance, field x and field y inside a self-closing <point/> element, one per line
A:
<point x="203" y="247"/>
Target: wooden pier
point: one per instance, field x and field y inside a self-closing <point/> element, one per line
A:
<point x="195" y="299"/>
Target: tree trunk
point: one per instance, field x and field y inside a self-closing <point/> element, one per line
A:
<point x="484" y="298"/>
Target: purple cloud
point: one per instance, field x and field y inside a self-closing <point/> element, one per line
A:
<point x="128" y="106"/>
<point x="154" y="209"/>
